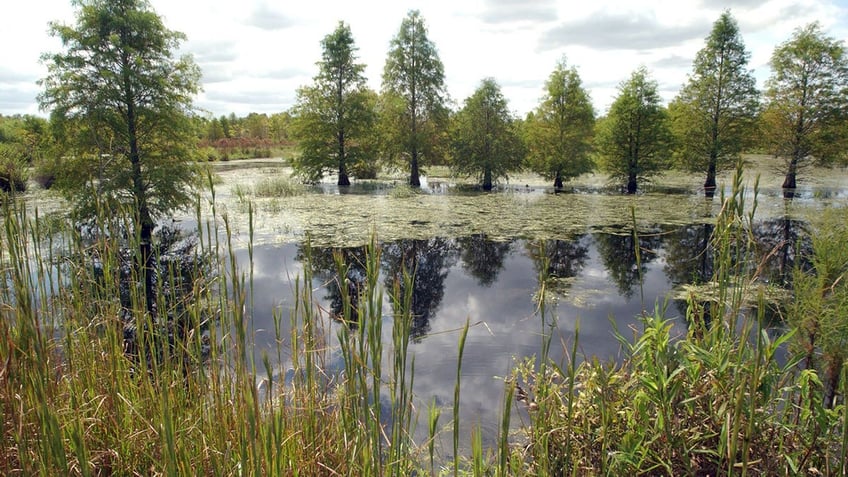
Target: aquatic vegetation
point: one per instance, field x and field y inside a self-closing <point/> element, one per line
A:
<point x="334" y="391"/>
<point x="712" y="400"/>
<point x="277" y="187"/>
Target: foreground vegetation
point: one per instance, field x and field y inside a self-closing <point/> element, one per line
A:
<point x="128" y="352"/>
<point x="93" y="383"/>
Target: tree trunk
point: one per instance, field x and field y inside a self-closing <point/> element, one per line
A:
<point x="831" y="382"/>
<point x="710" y="183"/>
<point x="558" y="181"/>
<point x="147" y="264"/>
<point x="789" y="181"/>
<point x="631" y="184"/>
<point x="487" y="179"/>
<point x="414" y="181"/>
<point x="145" y="221"/>
<point x="344" y="180"/>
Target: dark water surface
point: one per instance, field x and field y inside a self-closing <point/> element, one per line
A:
<point x="478" y="258"/>
<point x="596" y="284"/>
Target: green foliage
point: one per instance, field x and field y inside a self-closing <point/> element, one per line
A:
<point x="820" y="307"/>
<point x="633" y="141"/>
<point x="13" y="174"/>
<point x="26" y="141"/>
<point x="120" y="99"/>
<point x="804" y="117"/>
<point x="277" y="187"/>
<point x="559" y="133"/>
<point x="413" y="112"/>
<point x="334" y="118"/>
<point x="713" y="399"/>
<point x="485" y="139"/>
<point x="714" y="115"/>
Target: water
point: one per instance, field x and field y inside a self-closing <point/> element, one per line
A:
<point x="478" y="258"/>
<point x="494" y="284"/>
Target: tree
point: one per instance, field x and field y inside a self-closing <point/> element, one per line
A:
<point x="124" y="98"/>
<point x="559" y="134"/>
<point x="807" y="101"/>
<point x="335" y="115"/>
<point x="715" y="112"/>
<point x="415" y="96"/>
<point x="633" y="141"/>
<point x="486" y="142"/>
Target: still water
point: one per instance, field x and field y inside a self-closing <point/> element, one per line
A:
<point x="478" y="258"/>
<point x="597" y="286"/>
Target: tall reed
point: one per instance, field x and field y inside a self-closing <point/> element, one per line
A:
<point x="712" y="398"/>
<point x="94" y="382"/>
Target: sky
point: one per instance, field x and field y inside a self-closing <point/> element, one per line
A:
<point x="254" y="54"/>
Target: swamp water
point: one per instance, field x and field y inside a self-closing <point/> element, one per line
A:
<point x="478" y="257"/>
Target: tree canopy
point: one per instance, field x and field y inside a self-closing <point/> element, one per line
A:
<point x="413" y="109"/>
<point x="334" y="117"/>
<point x="559" y="133"/>
<point x="122" y="100"/>
<point x="714" y="114"/>
<point x="806" y="101"/>
<point x="486" y="141"/>
<point x="633" y="141"/>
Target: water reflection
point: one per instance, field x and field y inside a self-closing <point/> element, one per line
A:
<point x="618" y="251"/>
<point x="493" y="284"/>
<point x="561" y="260"/>
<point x="325" y="267"/>
<point x="482" y="258"/>
<point x="689" y="259"/>
<point x="429" y="260"/>
<point x="782" y="244"/>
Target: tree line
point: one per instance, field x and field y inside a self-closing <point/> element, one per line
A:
<point x="719" y="113"/>
<point x="340" y="126"/>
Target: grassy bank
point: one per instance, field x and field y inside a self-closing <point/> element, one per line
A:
<point x="92" y="383"/>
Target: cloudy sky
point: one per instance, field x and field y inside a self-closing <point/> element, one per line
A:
<point x="254" y="54"/>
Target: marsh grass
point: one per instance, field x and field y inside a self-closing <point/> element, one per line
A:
<point x="279" y="186"/>
<point x="714" y="399"/>
<point x="182" y="395"/>
<point x="81" y="398"/>
<point x="402" y="191"/>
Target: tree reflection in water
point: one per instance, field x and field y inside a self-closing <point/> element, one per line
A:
<point x="618" y="252"/>
<point x="482" y="258"/>
<point x="690" y="259"/>
<point x="564" y="259"/>
<point x="325" y="269"/>
<point x="781" y="245"/>
<point x="429" y="260"/>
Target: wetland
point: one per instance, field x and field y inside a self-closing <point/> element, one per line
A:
<point x="478" y="256"/>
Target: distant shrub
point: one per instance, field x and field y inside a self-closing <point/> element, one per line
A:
<point x="277" y="187"/>
<point x="209" y="154"/>
<point x="13" y="175"/>
<point x="402" y="191"/>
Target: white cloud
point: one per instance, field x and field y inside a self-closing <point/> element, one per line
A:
<point x="254" y="54"/>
